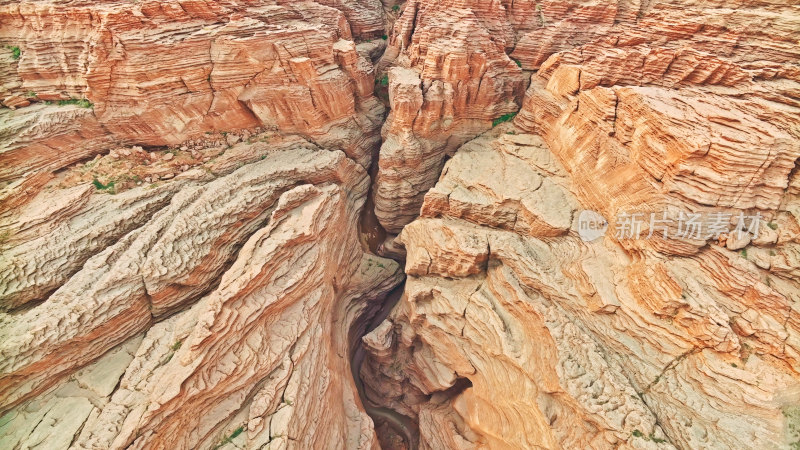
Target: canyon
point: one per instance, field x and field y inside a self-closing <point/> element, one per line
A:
<point x="361" y="224"/>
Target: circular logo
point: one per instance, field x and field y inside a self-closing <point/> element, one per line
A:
<point x="591" y="225"/>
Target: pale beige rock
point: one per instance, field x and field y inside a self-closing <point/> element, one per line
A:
<point x="53" y="236"/>
<point x="497" y="180"/>
<point x="47" y="138"/>
<point x="54" y="420"/>
<point x="281" y="356"/>
<point x="115" y="293"/>
<point x="569" y="344"/>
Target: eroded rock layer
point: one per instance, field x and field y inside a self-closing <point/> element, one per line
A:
<point x="264" y="263"/>
<point x="450" y="78"/>
<point x="183" y="262"/>
<point x="516" y="332"/>
<point x="159" y="73"/>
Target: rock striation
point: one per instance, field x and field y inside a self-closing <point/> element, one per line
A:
<point x="515" y="332"/>
<point x="450" y="78"/>
<point x="242" y="253"/>
<point x="160" y="73"/>
<point x="512" y="335"/>
<point x="191" y="203"/>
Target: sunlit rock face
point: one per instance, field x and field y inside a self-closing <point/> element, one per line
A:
<point x="264" y="265"/>
<point x="463" y="57"/>
<point x="185" y="188"/>
<point x="514" y="332"/>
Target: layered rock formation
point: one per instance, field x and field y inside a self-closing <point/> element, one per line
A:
<point x="203" y="295"/>
<point x="516" y="333"/>
<point x="187" y="227"/>
<point x="159" y="73"/>
<point x="265" y="264"/>
<point x="450" y="78"/>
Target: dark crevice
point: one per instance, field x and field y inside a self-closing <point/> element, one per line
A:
<point x="405" y="427"/>
<point x="370" y="229"/>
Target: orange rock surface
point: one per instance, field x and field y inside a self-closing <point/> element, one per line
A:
<point x="160" y="73"/>
<point x="190" y="194"/>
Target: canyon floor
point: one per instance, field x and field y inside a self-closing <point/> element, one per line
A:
<point x="428" y="224"/>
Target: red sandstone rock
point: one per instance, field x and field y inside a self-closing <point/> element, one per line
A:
<point x="213" y="294"/>
<point x="165" y="72"/>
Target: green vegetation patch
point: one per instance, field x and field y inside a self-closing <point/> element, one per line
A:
<point x="657" y="440"/>
<point x="104" y="187"/>
<point x="791" y="430"/>
<point x="15" y="52"/>
<point x="504" y="118"/>
<point x="82" y="102"/>
<point x="230" y="438"/>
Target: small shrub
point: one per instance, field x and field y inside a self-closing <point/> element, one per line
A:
<point x="743" y="253"/>
<point x="82" y="102"/>
<point x="541" y="15"/>
<point x="230" y="438"/>
<point x="504" y="118"/>
<point x="657" y="440"/>
<point x="103" y="187"/>
<point x="519" y="64"/>
<point x="15" y="52"/>
<point x="30" y="94"/>
<point x="384" y="81"/>
<point x="773" y="225"/>
<point x="384" y="37"/>
<point x="638" y="433"/>
<point x="176" y="346"/>
<point x="396" y="8"/>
